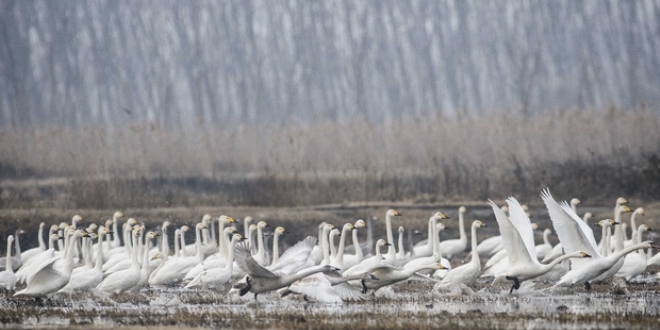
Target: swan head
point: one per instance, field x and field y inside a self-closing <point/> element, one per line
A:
<point x="152" y="234"/>
<point x="392" y="213"/>
<point x="535" y="226"/>
<point x="131" y="221"/>
<point x="328" y="227"/>
<point x="63" y="225"/>
<point x="334" y="232"/>
<point x="640" y="211"/>
<point x="10" y="239"/>
<point x="479" y="224"/>
<point x="201" y="226"/>
<point x="382" y="242"/>
<point x="525" y="207"/>
<point x="238" y="237"/>
<point x="206" y="218"/>
<point x="184" y="228"/>
<point x="42" y="225"/>
<point x="349" y="226"/>
<point x="165" y="224"/>
<point x="262" y="224"/>
<point x="644" y="228"/>
<point x="624" y="209"/>
<point x="462" y="209"/>
<point x="606" y="223"/>
<point x="621" y="201"/>
<point x="588" y="215"/>
<point x="575" y="201"/>
<point x="439" y="265"/>
<point x="107" y="230"/>
<point x="360" y="224"/>
<point x="118" y="215"/>
<point x="76" y="218"/>
<point x="54" y="227"/>
<point x="401" y="229"/>
<point x="226" y="219"/>
<point x="505" y="208"/>
<point x="229" y="230"/>
<point x="280" y="230"/>
<point x="247" y="219"/>
<point x="92" y="227"/>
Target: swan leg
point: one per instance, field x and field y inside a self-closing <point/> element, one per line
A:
<point x="247" y="288"/>
<point x="364" y="286"/>
<point x="516" y="283"/>
<point x="587" y="286"/>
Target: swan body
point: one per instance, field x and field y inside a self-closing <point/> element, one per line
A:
<point x="634" y="263"/>
<point x="53" y="274"/>
<point x="220" y="276"/>
<point x="453" y="247"/>
<point x="88" y="278"/>
<point x="467" y="274"/>
<point x="436" y="257"/>
<point x="125" y="279"/>
<point x="174" y="270"/>
<point x="518" y="239"/>
<point x="213" y="261"/>
<point x="387" y="275"/>
<point x="370" y="262"/>
<point x="7" y="277"/>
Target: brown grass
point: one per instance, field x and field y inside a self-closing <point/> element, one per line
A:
<point x="595" y="155"/>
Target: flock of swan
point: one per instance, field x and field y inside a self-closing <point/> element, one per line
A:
<point x="92" y="259"/>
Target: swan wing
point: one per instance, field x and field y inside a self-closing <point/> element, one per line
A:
<point x="247" y="264"/>
<point x="295" y="256"/>
<point x="317" y="287"/>
<point x="513" y="243"/>
<point x="574" y="234"/>
<point x="523" y="225"/>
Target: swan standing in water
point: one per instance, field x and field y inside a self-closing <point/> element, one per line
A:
<point x="7" y="277"/>
<point x="27" y="255"/>
<point x="518" y="240"/>
<point x="370" y="262"/>
<point x="351" y="260"/>
<point x="634" y="263"/>
<point x="466" y="274"/>
<point x="125" y="279"/>
<point x="53" y="274"/>
<point x="16" y="261"/>
<point x="453" y="247"/>
<point x="220" y="276"/>
<point x="88" y="277"/>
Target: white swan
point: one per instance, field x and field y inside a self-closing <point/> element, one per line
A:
<point x="26" y="270"/>
<point x="125" y="279"/>
<point x="7" y="277"/>
<point x="88" y="278"/>
<point x="468" y="273"/>
<point x="387" y="275"/>
<point x="279" y="231"/>
<point x="115" y="237"/>
<point x="426" y="247"/>
<point x="212" y="261"/>
<point x="27" y="255"/>
<point x="219" y="276"/>
<point x="370" y="262"/>
<point x="327" y="287"/>
<point x="453" y="247"/>
<point x="16" y="261"/>
<point x="391" y="251"/>
<point x="518" y="240"/>
<point x="351" y="260"/>
<point x="53" y="274"/>
<point x="175" y="269"/>
<point x="634" y="263"/>
<point x="491" y="245"/>
<point x="339" y="258"/>
<point x="633" y="227"/>
<point x="435" y="258"/>
<point x="543" y="249"/>
<point x="145" y="269"/>
<point x="261" y="258"/>
<point x="260" y="279"/>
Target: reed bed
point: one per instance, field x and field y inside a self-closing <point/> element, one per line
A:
<point x="591" y="153"/>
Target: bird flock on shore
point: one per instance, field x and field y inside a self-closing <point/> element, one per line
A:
<point x="95" y="259"/>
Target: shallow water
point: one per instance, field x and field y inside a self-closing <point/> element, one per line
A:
<point x="406" y="305"/>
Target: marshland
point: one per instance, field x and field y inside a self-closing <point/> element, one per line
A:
<point x="193" y="164"/>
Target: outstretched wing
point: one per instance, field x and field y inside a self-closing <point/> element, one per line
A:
<point x="513" y="243"/>
<point x="247" y="264"/>
<point x="523" y="225"/>
<point x="295" y="256"/>
<point x="574" y="234"/>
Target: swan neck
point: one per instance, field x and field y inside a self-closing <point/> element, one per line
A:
<point x="390" y="236"/>
<point x="182" y="246"/>
<point x="545" y="238"/>
<point x="475" y="253"/>
<point x="116" y="230"/>
<point x="342" y="243"/>
<point x="400" y="243"/>
<point x="461" y="228"/>
<point x="8" y="260"/>
<point x="127" y="239"/>
<point x="198" y="241"/>
<point x="165" y="244"/>
<point x="260" y="241"/>
<point x="276" y="247"/>
<point x="627" y="250"/>
<point x="333" y="248"/>
<point x="230" y="259"/>
<point x="16" y="244"/>
<point x="370" y="235"/>
<point x="356" y="244"/>
<point x="324" y="247"/>
<point x="145" y="255"/>
<point x="134" y="252"/>
<point x="99" y="253"/>
<point x="222" y="240"/>
<point x="42" y="245"/>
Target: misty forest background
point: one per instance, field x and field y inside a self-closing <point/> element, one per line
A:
<point x="112" y="104"/>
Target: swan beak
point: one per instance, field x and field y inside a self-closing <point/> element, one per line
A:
<point x="586" y="255"/>
<point x="285" y="232"/>
<point x="440" y="266"/>
<point x="236" y="220"/>
<point x="387" y="244"/>
<point x="615" y="223"/>
<point x="655" y="246"/>
<point x="484" y="225"/>
<point x="649" y="229"/>
<point x="397" y="214"/>
<point x="231" y="220"/>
